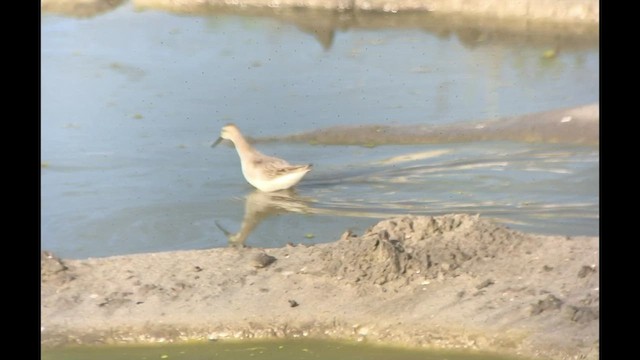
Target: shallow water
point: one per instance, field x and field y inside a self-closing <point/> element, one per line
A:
<point x="131" y="102"/>
<point x="264" y="350"/>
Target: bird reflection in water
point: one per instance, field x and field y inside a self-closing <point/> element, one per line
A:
<point x="261" y="205"/>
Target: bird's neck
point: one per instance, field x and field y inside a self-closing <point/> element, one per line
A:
<point x="242" y="145"/>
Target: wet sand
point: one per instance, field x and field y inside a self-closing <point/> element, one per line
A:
<point x="455" y="281"/>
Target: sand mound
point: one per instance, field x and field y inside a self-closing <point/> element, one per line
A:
<point x="420" y="247"/>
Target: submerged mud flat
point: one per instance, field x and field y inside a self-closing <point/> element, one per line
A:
<point x="453" y="281"/>
<point x="577" y="125"/>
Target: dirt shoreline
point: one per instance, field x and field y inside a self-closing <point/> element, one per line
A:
<point x="454" y="281"/>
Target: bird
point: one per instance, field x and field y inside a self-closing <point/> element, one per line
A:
<point x="266" y="173"/>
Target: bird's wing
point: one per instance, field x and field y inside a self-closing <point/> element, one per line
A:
<point x="275" y="166"/>
<point x="269" y="161"/>
<point x="291" y="168"/>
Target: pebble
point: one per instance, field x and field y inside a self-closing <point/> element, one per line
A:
<point x="262" y="260"/>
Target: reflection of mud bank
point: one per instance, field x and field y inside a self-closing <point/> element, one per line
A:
<point x="449" y="281"/>
<point x="559" y="24"/>
<point x="567" y="10"/>
<point x="570" y="11"/>
<point x="572" y="126"/>
<point x="471" y="30"/>
<point x="79" y="8"/>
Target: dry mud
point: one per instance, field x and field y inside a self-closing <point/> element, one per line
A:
<point x="453" y="281"/>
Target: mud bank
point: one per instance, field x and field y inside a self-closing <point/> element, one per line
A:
<point x="454" y="281"/>
<point x="579" y="125"/>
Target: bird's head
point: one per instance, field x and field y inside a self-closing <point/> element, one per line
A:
<point x="228" y="132"/>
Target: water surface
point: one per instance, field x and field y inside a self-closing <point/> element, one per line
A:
<point x="131" y="102"/>
<point x="264" y="350"/>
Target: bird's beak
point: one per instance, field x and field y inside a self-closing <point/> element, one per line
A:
<point x="224" y="231"/>
<point x="217" y="142"/>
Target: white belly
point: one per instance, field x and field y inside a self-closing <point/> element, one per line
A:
<point x="280" y="183"/>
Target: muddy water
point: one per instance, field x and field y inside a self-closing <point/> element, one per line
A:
<point x="265" y="350"/>
<point x="131" y="102"/>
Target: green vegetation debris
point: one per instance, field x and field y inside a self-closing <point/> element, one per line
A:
<point x="549" y="54"/>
